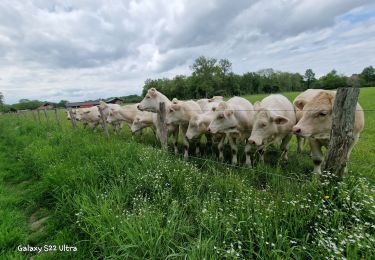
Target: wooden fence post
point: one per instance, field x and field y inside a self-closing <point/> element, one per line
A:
<point x="72" y="118"/>
<point x="45" y="113"/>
<point x="103" y="122"/>
<point x="342" y="138"/>
<point x="57" y="117"/>
<point x="164" y="127"/>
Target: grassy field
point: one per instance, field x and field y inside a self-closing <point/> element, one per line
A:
<point x="125" y="198"/>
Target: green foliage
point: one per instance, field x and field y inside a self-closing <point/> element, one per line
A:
<point x="211" y="77"/>
<point x="309" y="77"/>
<point x="332" y="81"/>
<point x="131" y="99"/>
<point x="368" y="75"/>
<point x="62" y="103"/>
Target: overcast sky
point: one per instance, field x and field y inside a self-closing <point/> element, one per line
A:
<point x="86" y="49"/>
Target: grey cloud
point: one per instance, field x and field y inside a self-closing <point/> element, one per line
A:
<point x="201" y="23"/>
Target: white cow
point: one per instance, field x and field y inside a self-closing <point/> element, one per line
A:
<point x="146" y="119"/>
<point x="205" y="101"/>
<point x="151" y="102"/>
<point x="298" y="103"/>
<point x="180" y="113"/>
<point x="198" y="126"/>
<point x="119" y="114"/>
<point x="107" y="109"/>
<point x="273" y="122"/>
<point x="235" y="119"/>
<point x="316" y="124"/>
<point x="88" y="116"/>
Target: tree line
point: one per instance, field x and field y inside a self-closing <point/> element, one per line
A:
<point x="212" y="77"/>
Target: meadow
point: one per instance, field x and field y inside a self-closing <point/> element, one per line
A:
<point x="124" y="197"/>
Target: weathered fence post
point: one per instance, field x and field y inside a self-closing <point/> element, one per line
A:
<point x="342" y="138"/>
<point x="72" y="118"/>
<point x="45" y="113"/>
<point x="40" y="121"/>
<point x="164" y="128"/>
<point x="103" y="122"/>
<point x="57" y="117"/>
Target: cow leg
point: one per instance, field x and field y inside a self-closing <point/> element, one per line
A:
<point x="175" y="140"/>
<point x="114" y="125"/>
<point x="316" y="155"/>
<point x="185" y="141"/>
<point x="220" y="147"/>
<point x="299" y="144"/>
<point x="209" y="143"/>
<point x="197" y="143"/>
<point x="284" y="147"/>
<point x="233" y="146"/>
<point x="247" y="153"/>
<point x="261" y="151"/>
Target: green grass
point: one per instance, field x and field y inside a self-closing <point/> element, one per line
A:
<point x="125" y="198"/>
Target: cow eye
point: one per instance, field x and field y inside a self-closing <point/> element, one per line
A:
<point x="221" y="116"/>
<point x="147" y="96"/>
<point x="263" y="124"/>
<point x="322" y="113"/>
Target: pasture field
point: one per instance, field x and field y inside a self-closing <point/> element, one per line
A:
<point x="123" y="197"/>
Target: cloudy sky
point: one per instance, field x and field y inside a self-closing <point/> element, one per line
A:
<point x="86" y="49"/>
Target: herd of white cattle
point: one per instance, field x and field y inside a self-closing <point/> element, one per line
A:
<point x="269" y="121"/>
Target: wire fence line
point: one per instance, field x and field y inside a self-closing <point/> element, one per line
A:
<point x="251" y="169"/>
<point x="253" y="110"/>
<point x="227" y="165"/>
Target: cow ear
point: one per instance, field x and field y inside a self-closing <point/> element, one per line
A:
<point x="280" y="120"/>
<point x="228" y="113"/>
<point x="300" y="104"/>
<point x="176" y="106"/>
<point x="152" y="92"/>
<point x="222" y="105"/>
<point x="257" y="106"/>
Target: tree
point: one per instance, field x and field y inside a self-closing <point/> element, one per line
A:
<point x="225" y="67"/>
<point x="368" y="75"/>
<point x="354" y="81"/>
<point x="266" y="72"/>
<point x="333" y="81"/>
<point x="250" y="83"/>
<point x="62" y="103"/>
<point x="309" y="77"/>
<point x="205" y="76"/>
<point x="1" y="98"/>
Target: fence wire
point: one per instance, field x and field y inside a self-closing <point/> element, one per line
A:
<point x="208" y="160"/>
